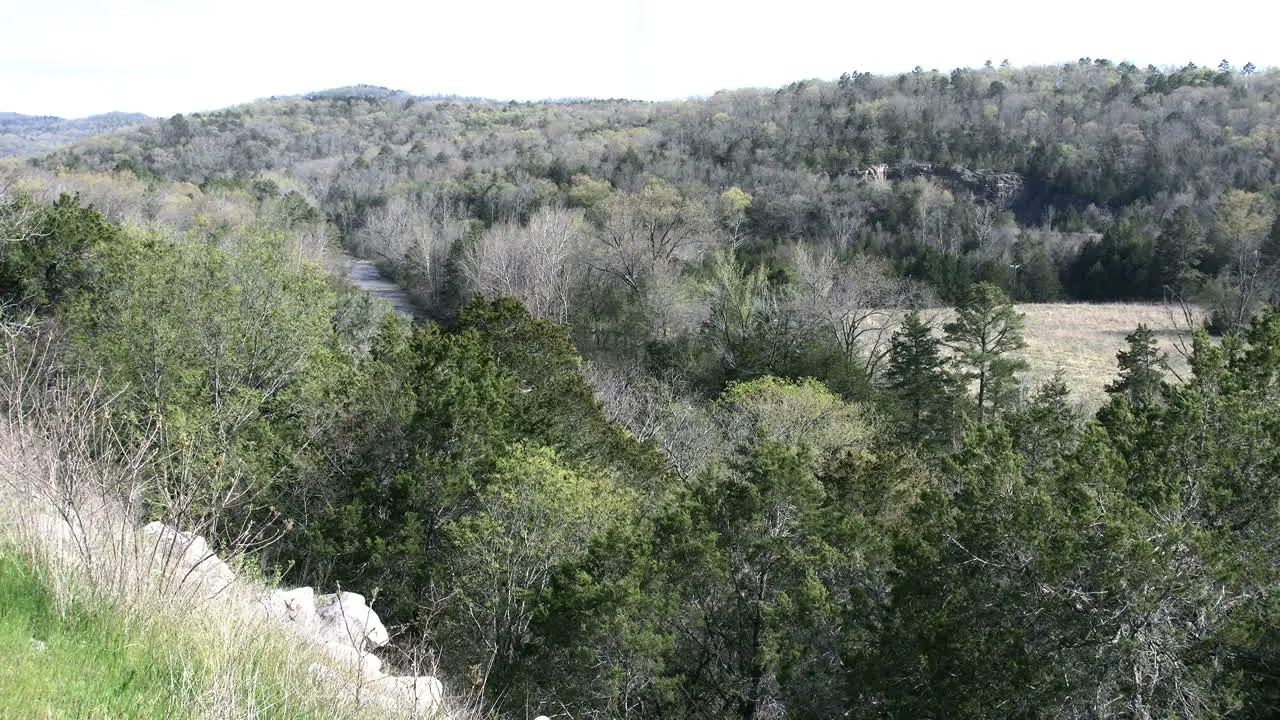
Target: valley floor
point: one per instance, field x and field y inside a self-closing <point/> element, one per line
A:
<point x="1082" y="340"/>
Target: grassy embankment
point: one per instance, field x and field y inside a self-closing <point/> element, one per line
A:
<point x="84" y="659"/>
<point x="71" y="655"/>
<point x="89" y="629"/>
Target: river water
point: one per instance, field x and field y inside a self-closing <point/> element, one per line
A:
<point x="366" y="276"/>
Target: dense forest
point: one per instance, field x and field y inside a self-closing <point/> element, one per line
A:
<point x="25" y="135"/>
<point x="678" y="435"/>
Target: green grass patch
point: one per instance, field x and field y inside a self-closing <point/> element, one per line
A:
<point x="78" y="660"/>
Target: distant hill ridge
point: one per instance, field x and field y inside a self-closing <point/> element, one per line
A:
<point x="25" y="135"/>
<point x="368" y="92"/>
<point x="378" y="92"/>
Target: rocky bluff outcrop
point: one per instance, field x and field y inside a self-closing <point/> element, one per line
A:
<point x="1027" y="198"/>
<point x="341" y="624"/>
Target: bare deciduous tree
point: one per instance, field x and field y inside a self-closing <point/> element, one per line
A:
<point x="659" y="409"/>
<point x="17" y="219"/>
<point x="857" y="303"/>
<point x="654" y="227"/>
<point x="413" y="233"/>
<point x="537" y="263"/>
<point x="1241" y="222"/>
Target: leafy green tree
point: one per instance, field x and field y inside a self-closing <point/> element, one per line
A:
<point x="1119" y="266"/>
<point x="731" y="208"/>
<point x="794" y="413"/>
<point x="755" y="552"/>
<point x="532" y="516"/>
<point x="225" y="357"/>
<point x="607" y="628"/>
<point x="57" y="255"/>
<point x="1046" y="430"/>
<point x="1241" y="223"/>
<point x="760" y="578"/>
<point x="1142" y="368"/>
<point x="591" y="195"/>
<point x="1173" y="507"/>
<point x="1038" y="278"/>
<point x="550" y="401"/>
<point x="964" y="633"/>
<point x="925" y="394"/>
<point x="739" y="302"/>
<point x="987" y="329"/>
<point x="1179" y="249"/>
<point x="426" y="423"/>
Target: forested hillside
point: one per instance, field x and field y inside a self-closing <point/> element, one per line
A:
<point x="26" y="135"/>
<point x="683" y="437"/>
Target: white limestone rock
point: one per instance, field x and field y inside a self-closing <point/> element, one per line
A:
<point x="186" y="561"/>
<point x="295" y="607"/>
<point x="344" y="617"/>
<point x="364" y="665"/>
<point x="421" y="695"/>
<point x="342" y="624"/>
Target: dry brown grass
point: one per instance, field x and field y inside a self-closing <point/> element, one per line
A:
<point x="1082" y="339"/>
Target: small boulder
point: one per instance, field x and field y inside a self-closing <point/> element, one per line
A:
<point x="344" y="617"/>
<point x="186" y="561"/>
<point x="422" y="695"/>
<point x="364" y="665"/>
<point x="296" y="607"/>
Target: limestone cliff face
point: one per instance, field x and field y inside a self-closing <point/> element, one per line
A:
<point x="1027" y="198"/>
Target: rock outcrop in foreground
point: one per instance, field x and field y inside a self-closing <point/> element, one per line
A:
<point x="342" y="624"/>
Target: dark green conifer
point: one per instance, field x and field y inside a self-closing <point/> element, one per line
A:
<point x="987" y="329"/>
<point x="924" y="390"/>
<point x="1141" y="368"/>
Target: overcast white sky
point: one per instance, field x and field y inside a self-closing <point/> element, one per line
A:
<point x="79" y="57"/>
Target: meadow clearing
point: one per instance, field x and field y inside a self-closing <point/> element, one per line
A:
<point x="1082" y="340"/>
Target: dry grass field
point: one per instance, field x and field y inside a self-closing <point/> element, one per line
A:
<point x="1082" y="339"/>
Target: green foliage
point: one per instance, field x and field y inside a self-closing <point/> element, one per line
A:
<point x="222" y="355"/>
<point x="533" y="516"/>
<point x="1047" y="429"/>
<point x="754" y="328"/>
<point x="924" y="394"/>
<point x="1142" y="368"/>
<point x="963" y="629"/>
<point x="987" y="329"/>
<point x="1121" y="265"/>
<point x="607" y="630"/>
<point x="800" y="413"/>
<point x="550" y="401"/>
<point x="57" y="256"/>
<point x="1180" y="249"/>
<point x="815" y="565"/>
<point x="426" y="423"/>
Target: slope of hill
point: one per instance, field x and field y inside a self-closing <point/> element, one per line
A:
<point x="27" y="135"/>
<point x="1088" y="141"/>
<point x="102" y="618"/>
